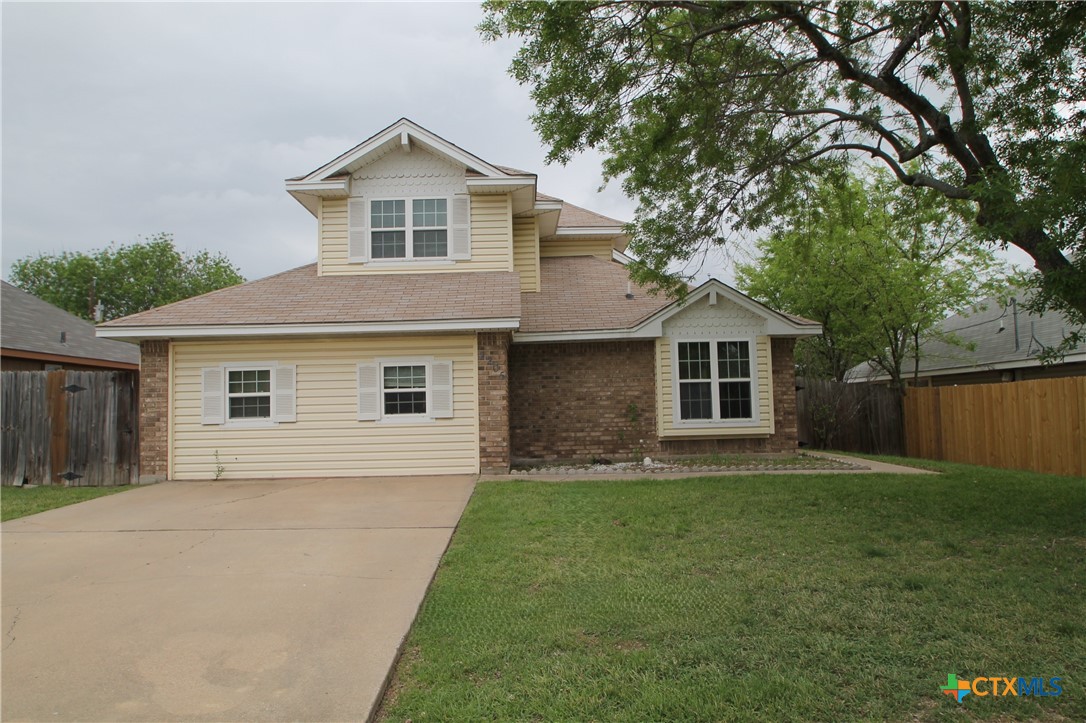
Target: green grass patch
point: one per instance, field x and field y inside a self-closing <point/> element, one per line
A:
<point x="775" y="597"/>
<point x="22" y="501"/>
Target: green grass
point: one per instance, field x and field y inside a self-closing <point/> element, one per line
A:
<point x="813" y="597"/>
<point x="22" y="501"/>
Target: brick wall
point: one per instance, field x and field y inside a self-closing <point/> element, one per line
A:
<point x="583" y="400"/>
<point x="494" y="402"/>
<point x="154" y="410"/>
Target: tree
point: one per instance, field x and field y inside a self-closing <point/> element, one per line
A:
<point x="878" y="266"/>
<point x="124" y="279"/>
<point x="715" y="113"/>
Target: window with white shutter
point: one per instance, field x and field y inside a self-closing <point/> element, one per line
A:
<point x="405" y="390"/>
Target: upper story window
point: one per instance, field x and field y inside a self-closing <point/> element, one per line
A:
<point x="715" y="381"/>
<point x="409" y="229"/>
<point x="426" y="227"/>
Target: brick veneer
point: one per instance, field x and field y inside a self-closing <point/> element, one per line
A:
<point x="154" y="410"/>
<point x="578" y="401"/>
<point x="494" y="402"/>
<point x="583" y="400"/>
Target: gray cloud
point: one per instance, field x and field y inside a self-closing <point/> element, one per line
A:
<point x="123" y="120"/>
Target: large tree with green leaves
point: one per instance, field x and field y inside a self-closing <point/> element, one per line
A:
<point x="879" y="267"/>
<point x="124" y="279"/>
<point x="714" y="113"/>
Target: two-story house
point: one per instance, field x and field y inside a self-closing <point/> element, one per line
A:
<point x="456" y="318"/>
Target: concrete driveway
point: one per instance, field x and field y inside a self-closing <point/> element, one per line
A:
<point x="215" y="601"/>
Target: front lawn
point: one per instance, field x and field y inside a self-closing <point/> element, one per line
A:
<point x="22" y="501"/>
<point x="806" y="597"/>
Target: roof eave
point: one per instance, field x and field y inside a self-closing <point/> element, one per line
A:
<point x="235" y="330"/>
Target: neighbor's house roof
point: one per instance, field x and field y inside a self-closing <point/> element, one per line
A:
<point x="30" y="329"/>
<point x="990" y="341"/>
<point x="301" y="302"/>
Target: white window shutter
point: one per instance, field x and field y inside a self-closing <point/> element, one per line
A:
<point x="441" y="389"/>
<point x="358" y="238"/>
<point x="460" y="227"/>
<point x="213" y="396"/>
<point x="286" y="407"/>
<point x="369" y="392"/>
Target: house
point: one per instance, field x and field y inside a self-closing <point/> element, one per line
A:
<point x="455" y="319"/>
<point x="999" y="342"/>
<point x="36" y="336"/>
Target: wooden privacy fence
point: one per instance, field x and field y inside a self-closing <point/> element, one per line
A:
<point x="849" y="417"/>
<point x="1035" y="425"/>
<point x="70" y="428"/>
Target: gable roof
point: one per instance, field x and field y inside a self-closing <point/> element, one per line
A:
<point x="301" y="302"/>
<point x="581" y="293"/>
<point x="28" y="324"/>
<point x="584" y="297"/>
<point x="1002" y="336"/>
<point x="577" y="217"/>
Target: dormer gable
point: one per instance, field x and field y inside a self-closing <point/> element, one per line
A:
<point x="406" y="200"/>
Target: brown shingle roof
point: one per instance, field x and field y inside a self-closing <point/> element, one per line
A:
<point x="584" y="293"/>
<point x="575" y="216"/>
<point x="300" y="296"/>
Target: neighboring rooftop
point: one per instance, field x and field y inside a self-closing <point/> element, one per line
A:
<point x="28" y="324"/>
<point x="997" y="336"/>
<point x="585" y="293"/>
<point x="299" y="296"/>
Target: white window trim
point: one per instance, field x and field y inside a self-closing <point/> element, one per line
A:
<point x="716" y="421"/>
<point x="383" y="418"/>
<point x="250" y="422"/>
<point x="409" y="229"/>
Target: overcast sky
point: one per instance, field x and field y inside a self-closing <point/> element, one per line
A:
<point x="124" y="120"/>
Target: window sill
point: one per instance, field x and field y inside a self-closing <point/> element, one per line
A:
<point x="251" y="424"/>
<point x="409" y="264"/>
<point x="407" y="419"/>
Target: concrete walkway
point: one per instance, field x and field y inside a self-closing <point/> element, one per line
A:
<point x="219" y="601"/>
<point x="864" y="466"/>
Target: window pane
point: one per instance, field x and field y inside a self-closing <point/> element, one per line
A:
<point x="733" y="359"/>
<point x="695" y="400"/>
<point x="694" y="361"/>
<point x="431" y="243"/>
<point x="412" y="377"/>
<point x="250" y="407"/>
<point x="735" y="402"/>
<point x="387" y="214"/>
<point x="389" y="245"/>
<point x="429" y="212"/>
<point x="249" y="381"/>
<point x="405" y="402"/>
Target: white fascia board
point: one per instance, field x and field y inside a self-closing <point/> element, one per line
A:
<point x="512" y="183"/>
<point x="608" y="231"/>
<point x="231" y="330"/>
<point x="394" y="131"/>
<point x="979" y="367"/>
<point x="594" y="335"/>
<point x="621" y="258"/>
<point x="334" y="186"/>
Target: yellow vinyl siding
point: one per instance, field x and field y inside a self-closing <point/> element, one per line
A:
<point x="665" y="403"/>
<point x="491" y="241"/>
<point x="526" y="252"/>
<point x="576" y="247"/>
<point x="327" y="439"/>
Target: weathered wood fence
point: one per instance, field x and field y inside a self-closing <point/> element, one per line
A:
<point x="1037" y="425"/>
<point x="849" y="417"/>
<point x="69" y="428"/>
